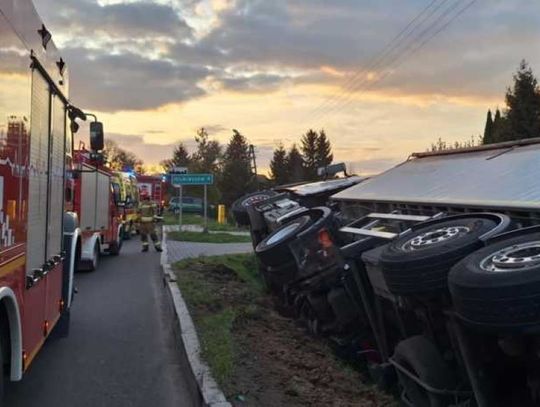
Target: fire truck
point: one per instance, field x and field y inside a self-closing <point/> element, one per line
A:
<point x="154" y="186"/>
<point x="129" y="201"/>
<point x="40" y="238"/>
<point x="98" y="203"/>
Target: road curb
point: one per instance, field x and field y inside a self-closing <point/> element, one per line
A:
<point x="212" y="396"/>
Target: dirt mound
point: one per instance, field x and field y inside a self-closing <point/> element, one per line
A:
<point x="275" y="362"/>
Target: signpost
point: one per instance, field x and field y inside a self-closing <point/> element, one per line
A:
<point x="179" y="170"/>
<point x="179" y="180"/>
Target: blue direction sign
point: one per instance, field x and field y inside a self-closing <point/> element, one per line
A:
<point x="192" y="179"/>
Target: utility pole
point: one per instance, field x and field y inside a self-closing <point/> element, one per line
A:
<point x="253" y="164"/>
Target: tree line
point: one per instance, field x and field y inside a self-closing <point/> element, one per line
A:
<point x="231" y="165"/>
<point x="519" y="119"/>
<point x="301" y="164"/>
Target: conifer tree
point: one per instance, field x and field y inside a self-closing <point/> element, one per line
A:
<point x="236" y="178"/>
<point x="488" y="129"/>
<point x="180" y="158"/>
<point x="278" y="166"/>
<point x="324" y="150"/>
<point x="295" y="165"/>
<point x="523" y="105"/>
<point x="309" y="154"/>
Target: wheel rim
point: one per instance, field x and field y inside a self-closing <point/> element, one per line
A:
<point x="282" y="233"/>
<point x="433" y="237"/>
<point x="513" y="258"/>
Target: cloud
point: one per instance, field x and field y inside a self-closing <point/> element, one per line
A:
<point x="129" y="81"/>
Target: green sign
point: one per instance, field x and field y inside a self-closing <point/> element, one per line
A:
<point x="192" y="179"/>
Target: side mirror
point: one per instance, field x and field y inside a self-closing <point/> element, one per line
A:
<point x="96" y="136"/>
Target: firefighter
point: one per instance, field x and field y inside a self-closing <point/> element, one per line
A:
<point x="148" y="212"/>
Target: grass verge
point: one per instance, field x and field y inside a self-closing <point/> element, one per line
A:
<point x="220" y="237"/>
<point x="198" y="279"/>
<point x="193" y="219"/>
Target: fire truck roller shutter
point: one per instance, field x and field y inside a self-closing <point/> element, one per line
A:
<point x="102" y="208"/>
<point x="56" y="168"/>
<point x="37" y="189"/>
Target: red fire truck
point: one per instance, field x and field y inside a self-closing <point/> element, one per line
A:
<point x="154" y="186"/>
<point x="96" y="200"/>
<point x="39" y="235"/>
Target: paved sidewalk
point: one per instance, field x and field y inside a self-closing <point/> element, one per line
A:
<point x="180" y="250"/>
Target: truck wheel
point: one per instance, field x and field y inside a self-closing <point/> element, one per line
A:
<point x="418" y="263"/>
<point x="499" y="285"/>
<point x="239" y="207"/>
<point x="127" y="232"/>
<point x="116" y="246"/>
<point x="421" y="358"/>
<point x="95" y="258"/>
<point x="274" y="249"/>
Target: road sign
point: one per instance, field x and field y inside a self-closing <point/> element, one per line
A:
<point x="192" y="179"/>
<point x="179" y="170"/>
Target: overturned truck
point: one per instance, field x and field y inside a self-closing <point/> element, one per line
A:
<point x="429" y="271"/>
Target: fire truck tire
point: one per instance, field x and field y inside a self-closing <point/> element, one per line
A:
<point x="274" y="249"/>
<point x="419" y="262"/>
<point x="498" y="286"/>
<point x="127" y="231"/>
<point x="116" y="246"/>
<point x="420" y="357"/>
<point x="95" y="258"/>
<point x="239" y="207"/>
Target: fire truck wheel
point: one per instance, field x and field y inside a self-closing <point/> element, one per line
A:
<point x="127" y="231"/>
<point x="498" y="286"/>
<point x="419" y="262"/>
<point x="239" y="207"/>
<point x="422" y="359"/>
<point x="274" y="249"/>
<point x="116" y="246"/>
<point x="95" y="258"/>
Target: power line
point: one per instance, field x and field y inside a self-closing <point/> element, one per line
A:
<point x="410" y="49"/>
<point x="388" y="48"/>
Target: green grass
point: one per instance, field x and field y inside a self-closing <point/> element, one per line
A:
<point x="217" y="342"/>
<point x="215" y="317"/>
<point x="193" y="219"/>
<point x="220" y="237"/>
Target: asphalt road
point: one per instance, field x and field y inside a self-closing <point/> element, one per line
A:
<point x="120" y="351"/>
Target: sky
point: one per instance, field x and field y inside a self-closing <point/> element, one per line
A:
<point x="156" y="71"/>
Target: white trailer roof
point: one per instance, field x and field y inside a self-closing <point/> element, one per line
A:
<point x="505" y="175"/>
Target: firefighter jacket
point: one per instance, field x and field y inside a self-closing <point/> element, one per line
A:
<point x="147" y="211"/>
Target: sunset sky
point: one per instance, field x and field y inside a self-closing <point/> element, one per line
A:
<point x="155" y="71"/>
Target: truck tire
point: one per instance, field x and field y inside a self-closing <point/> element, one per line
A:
<point x="420" y="357"/>
<point x="419" y="262"/>
<point x="239" y="207"/>
<point x="274" y="249"/>
<point x="127" y="231"/>
<point x="499" y="285"/>
<point x="116" y="245"/>
<point x="93" y="265"/>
